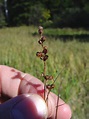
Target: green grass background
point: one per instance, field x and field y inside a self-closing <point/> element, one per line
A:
<point x="69" y="59"/>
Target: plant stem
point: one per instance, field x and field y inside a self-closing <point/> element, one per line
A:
<point x="44" y="79"/>
<point x="57" y="105"/>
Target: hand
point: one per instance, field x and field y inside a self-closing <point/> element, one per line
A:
<point x="22" y="97"/>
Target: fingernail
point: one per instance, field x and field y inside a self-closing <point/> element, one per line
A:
<point x="31" y="107"/>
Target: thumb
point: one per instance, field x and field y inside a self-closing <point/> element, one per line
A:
<point x="26" y="106"/>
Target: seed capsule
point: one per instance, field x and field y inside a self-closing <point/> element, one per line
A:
<point x="51" y="77"/>
<point x="40" y="42"/>
<point x="45" y="50"/>
<point x="40" y="30"/>
<point x="47" y="77"/>
<point x="45" y="58"/>
<point x="40" y="54"/>
<point x="50" y="86"/>
<point x="43" y="38"/>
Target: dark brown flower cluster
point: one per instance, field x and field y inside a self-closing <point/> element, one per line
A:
<point x="44" y="56"/>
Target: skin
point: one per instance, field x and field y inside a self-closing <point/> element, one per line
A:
<point x="14" y="83"/>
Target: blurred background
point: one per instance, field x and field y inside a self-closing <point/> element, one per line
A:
<point x="58" y="13"/>
<point x="66" y="27"/>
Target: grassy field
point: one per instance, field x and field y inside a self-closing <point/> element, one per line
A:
<point x="18" y="49"/>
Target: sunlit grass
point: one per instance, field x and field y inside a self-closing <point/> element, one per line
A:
<point x="70" y="59"/>
<point x="66" y="31"/>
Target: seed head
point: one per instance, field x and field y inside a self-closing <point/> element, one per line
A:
<point x="40" y="30"/>
<point x="42" y="39"/>
<point x="47" y="77"/>
<point x="40" y="54"/>
<point x="45" y="50"/>
<point x="44" y="58"/>
<point x="50" y="86"/>
<point x="40" y="42"/>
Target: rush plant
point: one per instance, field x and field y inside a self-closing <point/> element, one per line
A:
<point x="43" y="55"/>
<point x="49" y="81"/>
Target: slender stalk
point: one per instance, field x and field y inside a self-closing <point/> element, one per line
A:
<point x="57" y="105"/>
<point x="47" y="95"/>
<point x="44" y="79"/>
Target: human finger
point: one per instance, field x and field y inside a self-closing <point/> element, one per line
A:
<point x="27" y="106"/>
<point x="58" y="108"/>
<point x="14" y="81"/>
